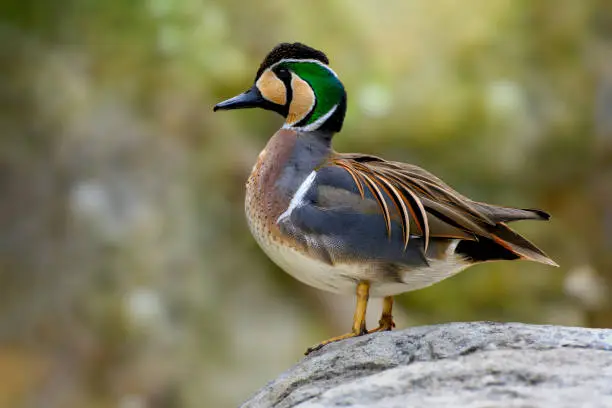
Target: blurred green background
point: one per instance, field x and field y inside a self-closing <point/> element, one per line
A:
<point x="128" y="277"/>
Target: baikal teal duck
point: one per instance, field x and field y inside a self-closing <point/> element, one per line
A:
<point x="353" y="223"/>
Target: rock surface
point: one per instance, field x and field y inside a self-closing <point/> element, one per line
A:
<point x="453" y="365"/>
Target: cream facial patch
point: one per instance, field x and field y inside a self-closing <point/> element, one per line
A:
<point x="302" y="102"/>
<point x="272" y="88"/>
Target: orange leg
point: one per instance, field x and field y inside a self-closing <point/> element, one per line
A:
<point x="359" y="326"/>
<point x="386" y="319"/>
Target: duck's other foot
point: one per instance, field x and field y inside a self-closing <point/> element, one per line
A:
<point x="335" y="339"/>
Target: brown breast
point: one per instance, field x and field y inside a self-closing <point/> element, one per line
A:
<point x="264" y="202"/>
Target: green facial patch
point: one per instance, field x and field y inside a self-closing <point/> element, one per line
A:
<point x="327" y="88"/>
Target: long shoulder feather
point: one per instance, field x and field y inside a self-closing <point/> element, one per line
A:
<point x="438" y="211"/>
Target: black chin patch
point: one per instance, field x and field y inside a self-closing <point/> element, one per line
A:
<point x="294" y="51"/>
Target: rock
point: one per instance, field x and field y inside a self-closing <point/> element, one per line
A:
<point x="479" y="364"/>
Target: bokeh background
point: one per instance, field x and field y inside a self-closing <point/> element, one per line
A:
<point x="128" y="277"/>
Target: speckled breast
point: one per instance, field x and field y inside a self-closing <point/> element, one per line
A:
<point x="258" y="207"/>
<point x="264" y="202"/>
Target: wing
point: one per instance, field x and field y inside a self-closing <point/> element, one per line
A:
<point x="417" y="198"/>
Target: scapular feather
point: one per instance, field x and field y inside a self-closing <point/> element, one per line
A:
<point x="423" y="198"/>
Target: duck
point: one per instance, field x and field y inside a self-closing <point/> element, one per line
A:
<point x="351" y="223"/>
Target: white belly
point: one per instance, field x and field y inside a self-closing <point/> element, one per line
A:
<point x="343" y="278"/>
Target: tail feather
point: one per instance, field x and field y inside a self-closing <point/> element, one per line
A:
<point x="502" y="244"/>
<point x="509" y="214"/>
<point x="519" y="245"/>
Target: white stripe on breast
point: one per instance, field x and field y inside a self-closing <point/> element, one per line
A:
<point x="298" y="197"/>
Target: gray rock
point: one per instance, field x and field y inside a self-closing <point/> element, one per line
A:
<point x="480" y="364"/>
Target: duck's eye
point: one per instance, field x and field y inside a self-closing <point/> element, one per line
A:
<point x="282" y="73"/>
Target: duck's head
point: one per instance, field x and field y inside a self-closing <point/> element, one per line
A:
<point x="296" y="81"/>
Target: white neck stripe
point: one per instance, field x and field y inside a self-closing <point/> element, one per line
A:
<point x="316" y="124"/>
